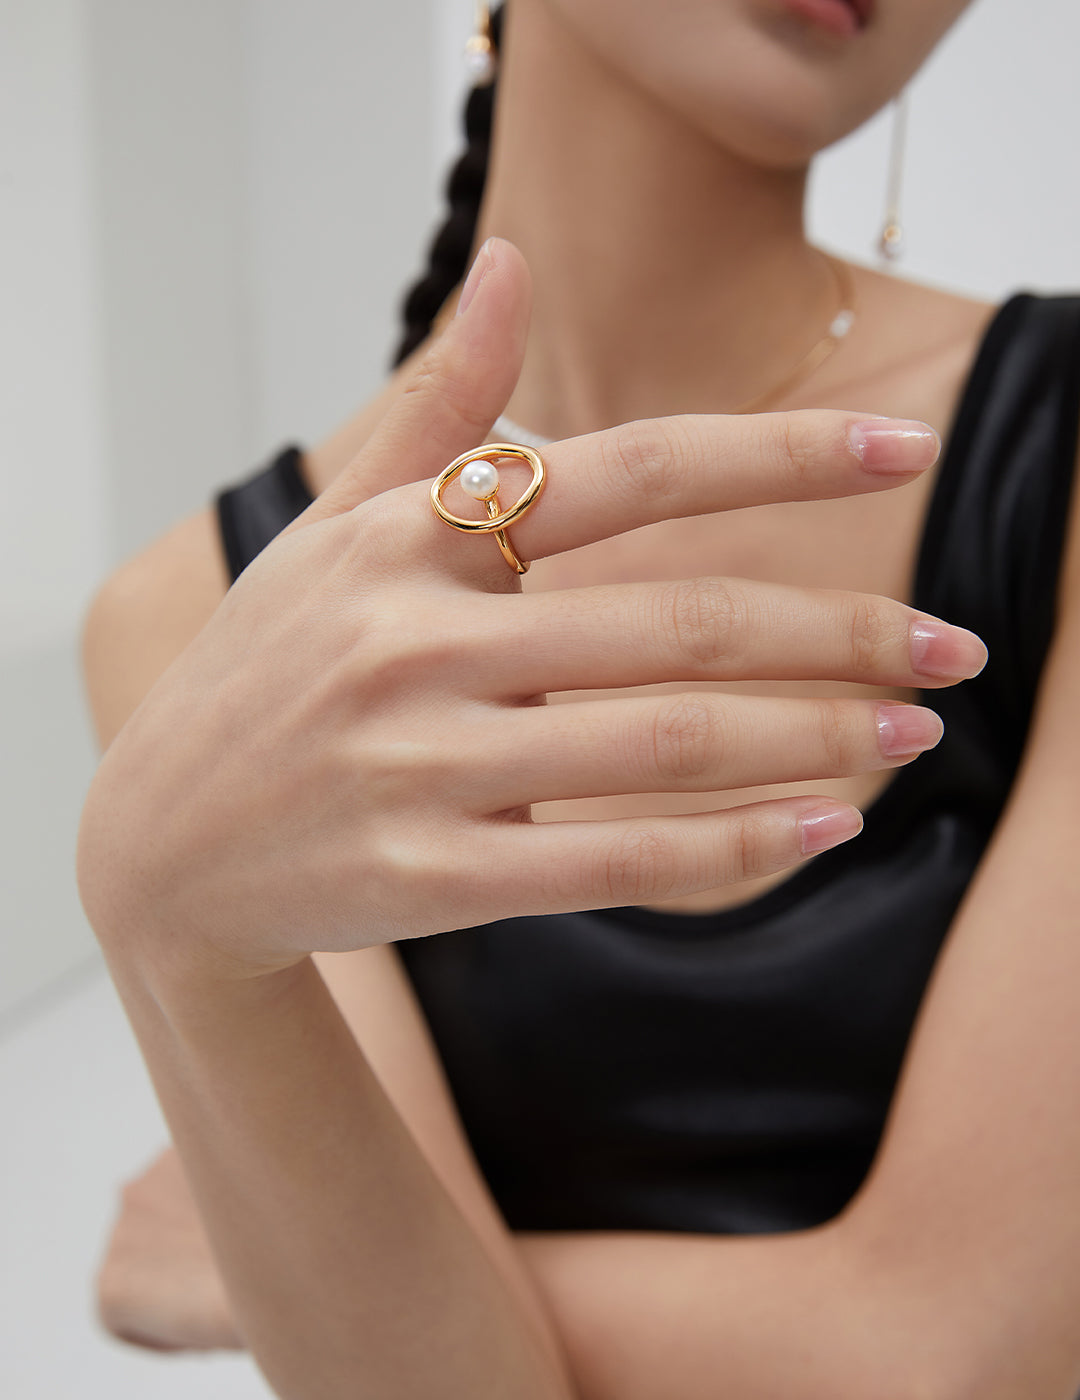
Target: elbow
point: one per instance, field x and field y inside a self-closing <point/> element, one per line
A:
<point x="912" y="1324"/>
<point x="941" y="1386"/>
<point x="925" y="1365"/>
<point x="908" y="1378"/>
<point x="917" y="1384"/>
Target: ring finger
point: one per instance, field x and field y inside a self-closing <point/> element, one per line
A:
<point x="691" y="742"/>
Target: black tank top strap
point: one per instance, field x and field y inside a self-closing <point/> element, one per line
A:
<point x="991" y="550"/>
<point x="252" y="513"/>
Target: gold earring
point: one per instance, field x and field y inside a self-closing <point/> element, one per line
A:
<point x="891" y="242"/>
<point x="480" y="53"/>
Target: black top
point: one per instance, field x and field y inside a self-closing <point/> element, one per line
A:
<point x="731" y="1072"/>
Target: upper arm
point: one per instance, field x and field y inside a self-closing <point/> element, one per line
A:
<point x="145" y="614"/>
<point x="973" y="1205"/>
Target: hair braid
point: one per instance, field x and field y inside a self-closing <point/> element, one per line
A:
<point x="449" y="250"/>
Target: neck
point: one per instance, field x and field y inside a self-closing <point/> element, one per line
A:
<point x="670" y="276"/>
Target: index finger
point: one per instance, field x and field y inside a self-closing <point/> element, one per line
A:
<point x="609" y="482"/>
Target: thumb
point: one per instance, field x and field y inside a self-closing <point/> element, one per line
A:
<point x="454" y="394"/>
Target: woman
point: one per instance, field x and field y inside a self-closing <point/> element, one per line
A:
<point x="674" y="1117"/>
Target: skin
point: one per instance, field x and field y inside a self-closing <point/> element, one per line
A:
<point x="896" y="1296"/>
<point x="346" y="839"/>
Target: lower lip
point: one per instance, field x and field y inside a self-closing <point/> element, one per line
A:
<point x="835" y="15"/>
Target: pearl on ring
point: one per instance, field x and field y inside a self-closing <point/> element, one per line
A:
<point x="480" y="480"/>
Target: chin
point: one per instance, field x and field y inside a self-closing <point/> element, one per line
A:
<point x="773" y="80"/>
<point x="774" y="111"/>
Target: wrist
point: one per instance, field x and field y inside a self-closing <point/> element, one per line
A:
<point x="185" y="979"/>
<point x="148" y="919"/>
<point x="172" y="954"/>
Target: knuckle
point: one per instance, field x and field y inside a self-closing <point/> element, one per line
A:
<point x="445" y="379"/>
<point x="836" y="736"/>
<point x="794" y="455"/>
<point x="688" y="447"/>
<point x="393" y="767"/>
<point x="706" y="619"/>
<point x="413" y="857"/>
<point x="443" y="862"/>
<point x="392" y="657"/>
<point x="382" y="539"/>
<point x="408" y="871"/>
<point x="646" y="456"/>
<point x="751" y="851"/>
<point x="686" y="740"/>
<point x="868" y="630"/>
<point x="394" y="770"/>
<point x="398" y="658"/>
<point x="639" y="865"/>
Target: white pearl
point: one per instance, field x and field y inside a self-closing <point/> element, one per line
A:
<point x="479" y="480"/>
<point x="479" y="65"/>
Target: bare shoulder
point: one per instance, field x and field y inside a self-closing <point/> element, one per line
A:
<point x="145" y="613"/>
<point x="917" y="309"/>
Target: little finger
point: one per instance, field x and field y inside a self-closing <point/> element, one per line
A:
<point x="559" y="867"/>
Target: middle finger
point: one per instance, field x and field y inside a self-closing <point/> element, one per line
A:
<point x="717" y="629"/>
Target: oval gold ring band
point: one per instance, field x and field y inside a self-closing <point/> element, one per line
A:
<point x="480" y="480"/>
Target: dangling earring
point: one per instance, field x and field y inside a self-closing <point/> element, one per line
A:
<point x="891" y="242"/>
<point x="480" y="52"/>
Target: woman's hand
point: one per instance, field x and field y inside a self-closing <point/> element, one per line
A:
<point x="348" y="752"/>
<point x="159" y="1286"/>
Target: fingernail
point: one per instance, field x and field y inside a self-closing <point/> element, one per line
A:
<point x="907" y="729"/>
<point x="824" y="827"/>
<point x="481" y="266"/>
<point x="894" y="445"/>
<point x="938" y="649"/>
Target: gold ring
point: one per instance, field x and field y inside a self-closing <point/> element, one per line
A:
<point x="480" y="480"/>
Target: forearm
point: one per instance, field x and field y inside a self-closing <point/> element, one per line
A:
<point x="351" y="1271"/>
<point x="693" y="1317"/>
<point x="805" y="1315"/>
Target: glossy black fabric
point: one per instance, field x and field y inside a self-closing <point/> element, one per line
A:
<point x="250" y="515"/>
<point x="732" y="1072"/>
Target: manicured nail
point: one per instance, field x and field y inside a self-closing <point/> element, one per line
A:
<point x="894" y="446"/>
<point x="824" y="827"/>
<point x="479" y="270"/>
<point x="905" y="730"/>
<point x="952" y="653"/>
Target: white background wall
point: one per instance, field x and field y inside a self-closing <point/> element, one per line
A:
<point x="991" y="191"/>
<point x="54" y="498"/>
<point x="208" y="211"/>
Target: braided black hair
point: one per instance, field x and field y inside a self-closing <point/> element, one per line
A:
<point x="449" y="251"/>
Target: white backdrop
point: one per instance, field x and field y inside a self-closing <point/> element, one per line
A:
<point x="209" y="211"/>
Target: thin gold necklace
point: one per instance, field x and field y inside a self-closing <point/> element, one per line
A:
<point x="840" y="325"/>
